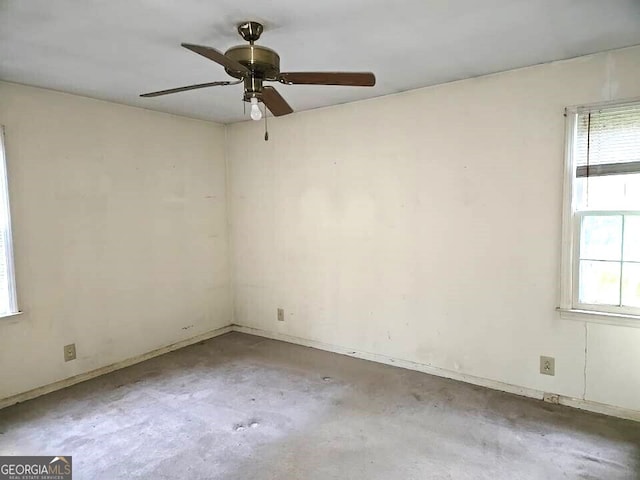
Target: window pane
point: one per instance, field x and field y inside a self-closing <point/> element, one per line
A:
<point x="599" y="283"/>
<point x="631" y="284"/>
<point x="613" y="192"/>
<point x="7" y="280"/>
<point x="5" y="300"/>
<point x="632" y="238"/>
<point x="601" y="237"/>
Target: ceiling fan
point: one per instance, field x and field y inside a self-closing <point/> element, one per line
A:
<point x="255" y="64"/>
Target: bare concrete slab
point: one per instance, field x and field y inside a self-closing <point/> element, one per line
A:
<point x="242" y="407"/>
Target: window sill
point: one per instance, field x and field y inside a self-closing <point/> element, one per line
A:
<point x="618" y="319"/>
<point x="9" y="316"/>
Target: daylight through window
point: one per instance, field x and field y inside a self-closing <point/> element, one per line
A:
<point x="8" y="304"/>
<point x="605" y="209"/>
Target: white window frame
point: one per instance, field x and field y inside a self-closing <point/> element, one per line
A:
<point x="570" y="308"/>
<point x="8" y="236"/>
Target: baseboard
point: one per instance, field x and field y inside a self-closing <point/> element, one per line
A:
<point x="440" y="372"/>
<point x="374" y="357"/>
<point x="602" y="408"/>
<point x="67" y="382"/>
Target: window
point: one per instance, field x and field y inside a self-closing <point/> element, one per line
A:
<point x="601" y="254"/>
<point x="8" y="303"/>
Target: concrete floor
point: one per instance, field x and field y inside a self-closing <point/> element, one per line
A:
<point x="242" y="407"/>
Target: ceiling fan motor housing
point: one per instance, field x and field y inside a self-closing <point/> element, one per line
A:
<point x="263" y="62"/>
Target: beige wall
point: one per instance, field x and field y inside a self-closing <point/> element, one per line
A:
<point x="423" y="226"/>
<point x="426" y="227"/>
<point x="119" y="224"/>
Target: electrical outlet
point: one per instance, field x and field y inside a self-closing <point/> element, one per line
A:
<point x="281" y="314"/>
<point x="69" y="352"/>
<point x="547" y="366"/>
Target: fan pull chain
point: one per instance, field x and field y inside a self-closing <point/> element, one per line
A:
<point x="266" y="132"/>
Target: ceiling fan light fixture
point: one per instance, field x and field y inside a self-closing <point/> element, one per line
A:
<point x="255" y="114"/>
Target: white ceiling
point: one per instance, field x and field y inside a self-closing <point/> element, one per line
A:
<point x="116" y="49"/>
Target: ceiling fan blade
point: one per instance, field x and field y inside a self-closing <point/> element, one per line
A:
<point x="216" y="56"/>
<point x="274" y="102"/>
<point x="190" y="87"/>
<point x="353" y="79"/>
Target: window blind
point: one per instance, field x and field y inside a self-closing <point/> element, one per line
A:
<point x="608" y="141"/>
